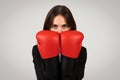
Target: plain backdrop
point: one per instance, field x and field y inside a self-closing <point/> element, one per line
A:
<point x="99" y="20"/>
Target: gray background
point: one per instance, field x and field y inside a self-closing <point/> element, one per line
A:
<point x="99" y="20"/>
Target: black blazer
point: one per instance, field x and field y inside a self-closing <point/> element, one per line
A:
<point x="39" y="65"/>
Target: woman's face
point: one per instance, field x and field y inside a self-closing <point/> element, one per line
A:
<point x="59" y="24"/>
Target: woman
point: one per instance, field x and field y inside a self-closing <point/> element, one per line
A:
<point x="59" y="19"/>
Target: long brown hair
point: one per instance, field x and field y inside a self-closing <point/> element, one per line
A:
<point x="59" y="10"/>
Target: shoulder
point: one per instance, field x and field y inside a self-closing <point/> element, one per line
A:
<point x="36" y="55"/>
<point x="34" y="47"/>
<point x="82" y="56"/>
<point x="83" y="49"/>
<point x="83" y="52"/>
<point x="35" y="52"/>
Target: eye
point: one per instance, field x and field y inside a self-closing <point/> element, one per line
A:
<point x="54" y="26"/>
<point x="64" y="26"/>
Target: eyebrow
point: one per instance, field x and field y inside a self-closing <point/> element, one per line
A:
<point x="54" y="24"/>
<point x="62" y="25"/>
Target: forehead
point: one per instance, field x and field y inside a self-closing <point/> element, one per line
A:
<point x="59" y="20"/>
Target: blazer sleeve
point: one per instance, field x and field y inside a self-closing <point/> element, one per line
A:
<point x="81" y="61"/>
<point x="38" y="63"/>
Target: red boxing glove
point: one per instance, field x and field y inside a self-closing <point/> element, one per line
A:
<point x="71" y="42"/>
<point x="48" y="43"/>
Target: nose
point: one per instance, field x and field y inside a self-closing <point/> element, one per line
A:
<point x="59" y="30"/>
